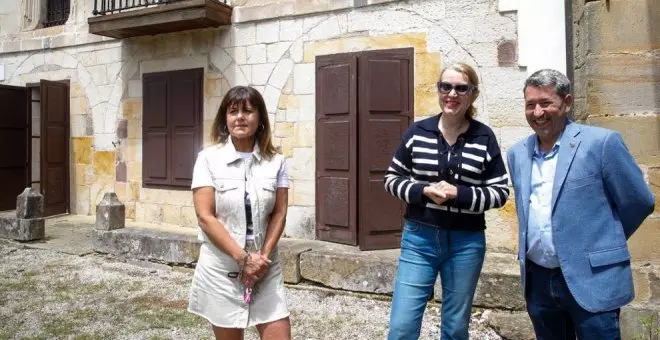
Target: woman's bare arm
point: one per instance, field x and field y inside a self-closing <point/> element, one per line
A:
<point x="276" y="222"/>
<point x="204" y="200"/>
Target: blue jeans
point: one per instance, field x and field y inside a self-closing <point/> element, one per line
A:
<point x="425" y="252"/>
<point x="556" y="315"/>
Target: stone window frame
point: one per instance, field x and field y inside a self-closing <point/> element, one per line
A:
<point x="33" y="14"/>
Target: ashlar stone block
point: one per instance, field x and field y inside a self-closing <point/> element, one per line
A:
<point x="29" y="204"/>
<point x="110" y="213"/>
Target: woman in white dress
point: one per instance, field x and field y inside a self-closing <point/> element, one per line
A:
<point x="240" y="192"/>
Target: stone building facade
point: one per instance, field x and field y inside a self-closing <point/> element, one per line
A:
<point x="271" y="45"/>
<point x="617" y="86"/>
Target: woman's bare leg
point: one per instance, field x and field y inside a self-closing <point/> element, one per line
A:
<point x="276" y="330"/>
<point x="227" y="333"/>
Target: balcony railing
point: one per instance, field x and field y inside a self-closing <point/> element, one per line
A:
<point x="103" y="7"/>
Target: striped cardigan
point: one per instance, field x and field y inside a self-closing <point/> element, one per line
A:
<point x="473" y="164"/>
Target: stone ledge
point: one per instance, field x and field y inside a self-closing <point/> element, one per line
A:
<point x="499" y="284"/>
<point x="148" y="244"/>
<point x="346" y="267"/>
<point x="290" y="251"/>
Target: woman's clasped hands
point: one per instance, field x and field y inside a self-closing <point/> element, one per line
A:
<point x="254" y="269"/>
<point x="440" y="192"/>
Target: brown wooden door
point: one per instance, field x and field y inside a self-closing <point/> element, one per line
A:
<point x="385" y="80"/>
<point x="55" y="147"/>
<point x="14" y="142"/>
<point x="336" y="148"/>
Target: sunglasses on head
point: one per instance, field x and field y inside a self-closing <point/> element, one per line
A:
<point x="461" y="89"/>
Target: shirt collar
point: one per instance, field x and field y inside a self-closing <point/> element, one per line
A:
<point x="229" y="151"/>
<point x="540" y="154"/>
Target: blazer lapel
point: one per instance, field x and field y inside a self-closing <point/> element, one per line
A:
<point x="526" y="176"/>
<point x="567" y="149"/>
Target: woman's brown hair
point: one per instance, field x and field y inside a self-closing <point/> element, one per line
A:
<point x="240" y="96"/>
<point x="473" y="79"/>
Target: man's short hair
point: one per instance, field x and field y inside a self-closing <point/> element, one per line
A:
<point x="550" y="78"/>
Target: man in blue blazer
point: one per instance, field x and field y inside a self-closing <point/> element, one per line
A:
<point x="579" y="197"/>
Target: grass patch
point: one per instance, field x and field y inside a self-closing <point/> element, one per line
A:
<point x="94" y="288"/>
<point x="24" y="282"/>
<point x="84" y="315"/>
<point x="63" y="297"/>
<point x="135" y="286"/>
<point x="93" y="336"/>
<point x="60" y="327"/>
<point x="169" y="318"/>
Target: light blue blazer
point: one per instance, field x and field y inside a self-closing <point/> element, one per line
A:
<point x="599" y="199"/>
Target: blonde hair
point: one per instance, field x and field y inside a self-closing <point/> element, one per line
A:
<point x="473" y="79"/>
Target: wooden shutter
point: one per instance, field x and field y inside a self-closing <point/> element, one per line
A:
<point x="15" y="139"/>
<point x="155" y="132"/>
<point x="336" y="148"/>
<point x="185" y="108"/>
<point x="385" y="80"/>
<point x="172" y="127"/>
<point x="55" y="147"/>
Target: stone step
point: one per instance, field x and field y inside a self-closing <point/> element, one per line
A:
<point x="345" y="267"/>
<point x="331" y="265"/>
<point x="176" y="247"/>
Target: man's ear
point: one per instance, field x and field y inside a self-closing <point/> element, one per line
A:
<point x="568" y="101"/>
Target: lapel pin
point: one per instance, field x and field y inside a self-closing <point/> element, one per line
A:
<point x="572" y="144"/>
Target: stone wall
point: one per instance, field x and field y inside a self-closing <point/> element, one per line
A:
<point x="276" y="56"/>
<point x="617" y="86"/>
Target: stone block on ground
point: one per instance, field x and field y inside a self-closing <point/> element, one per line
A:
<point x="110" y="213"/>
<point x="22" y="229"/>
<point x="29" y="204"/>
<point x="30" y="229"/>
<point x="151" y="245"/>
<point x="290" y="250"/>
<point x="511" y="325"/>
<point x="347" y="268"/>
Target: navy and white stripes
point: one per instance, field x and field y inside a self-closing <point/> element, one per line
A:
<point x="474" y="164"/>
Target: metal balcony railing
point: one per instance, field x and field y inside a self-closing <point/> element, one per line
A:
<point x="103" y="7"/>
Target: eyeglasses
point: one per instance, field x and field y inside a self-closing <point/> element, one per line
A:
<point x="461" y="89"/>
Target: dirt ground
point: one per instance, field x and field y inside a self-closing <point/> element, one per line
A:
<point x="46" y="294"/>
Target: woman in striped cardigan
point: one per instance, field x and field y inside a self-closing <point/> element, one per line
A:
<point x="449" y="171"/>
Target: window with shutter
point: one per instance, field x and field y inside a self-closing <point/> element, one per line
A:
<point x="355" y="138"/>
<point x="171" y="127"/>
